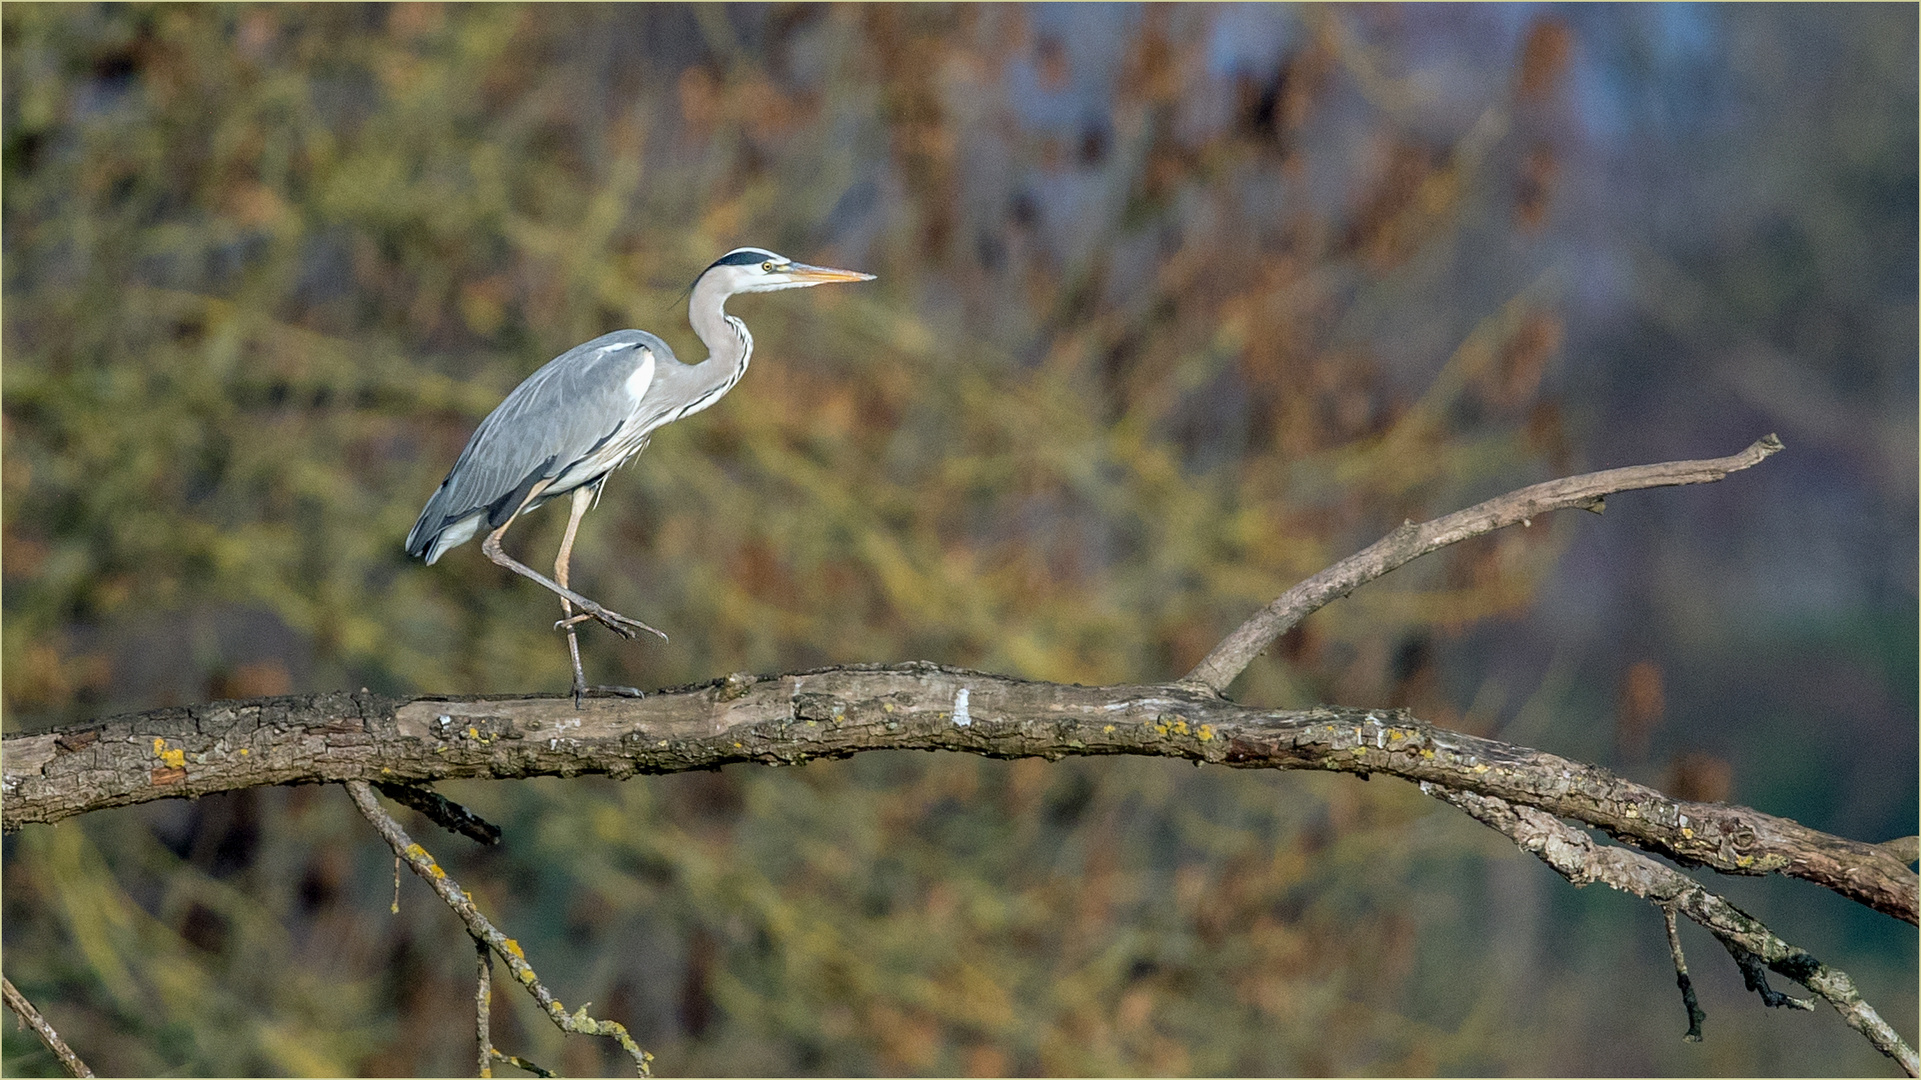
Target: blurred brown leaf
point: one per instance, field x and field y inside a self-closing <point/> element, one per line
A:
<point x="1643" y="703"/>
<point x="1700" y="777"/>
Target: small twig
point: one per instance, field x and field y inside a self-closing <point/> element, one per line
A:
<point x="24" y="1008"/>
<point x="484" y="931"/>
<point x="1755" y="974"/>
<point x="1695" y="1013"/>
<point x="483" y="1019"/>
<point x="483" y="1006"/>
<point x="442" y="811"/>
<point x="1576" y="856"/>
<point x="1411" y="541"/>
<point x="483" y="1009"/>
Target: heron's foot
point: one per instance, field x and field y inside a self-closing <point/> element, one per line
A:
<point x="620" y="624"/>
<point x="582" y="690"/>
<point x="612" y="691"/>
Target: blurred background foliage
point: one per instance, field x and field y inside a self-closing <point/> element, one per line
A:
<point x="1175" y="306"/>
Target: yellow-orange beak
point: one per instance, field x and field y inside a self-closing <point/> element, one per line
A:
<point x="821" y="275"/>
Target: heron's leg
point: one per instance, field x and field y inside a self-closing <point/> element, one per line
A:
<point x="612" y="620"/>
<point x="583" y="498"/>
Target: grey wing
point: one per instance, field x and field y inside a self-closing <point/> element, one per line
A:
<point x="556" y="425"/>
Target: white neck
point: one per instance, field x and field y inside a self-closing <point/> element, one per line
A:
<point x="729" y="345"/>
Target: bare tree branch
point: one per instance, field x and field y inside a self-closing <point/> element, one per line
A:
<point x="1409" y="542"/>
<point x="483" y="1011"/>
<point x="836" y="712"/>
<point x="486" y="934"/>
<point x="51" y="1038"/>
<point x="1575" y="856"/>
<point x="402" y="744"/>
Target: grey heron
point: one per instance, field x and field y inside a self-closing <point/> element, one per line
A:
<point x="585" y="413"/>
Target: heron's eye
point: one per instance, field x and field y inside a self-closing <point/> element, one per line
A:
<point x="766" y="268"/>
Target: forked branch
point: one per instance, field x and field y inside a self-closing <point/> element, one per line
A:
<point x="1577" y="857"/>
<point x="484" y="933"/>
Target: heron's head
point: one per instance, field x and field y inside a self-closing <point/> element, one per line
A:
<point x="748" y="269"/>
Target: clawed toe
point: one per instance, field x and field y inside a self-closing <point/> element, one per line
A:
<point x="611" y="691"/>
<point x="620" y="624"/>
<point x="625" y="626"/>
<point x="612" y="620"/>
<point x="583" y="691"/>
<point x="569" y="624"/>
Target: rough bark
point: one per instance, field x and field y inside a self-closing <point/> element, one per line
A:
<point x="835" y="712"/>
